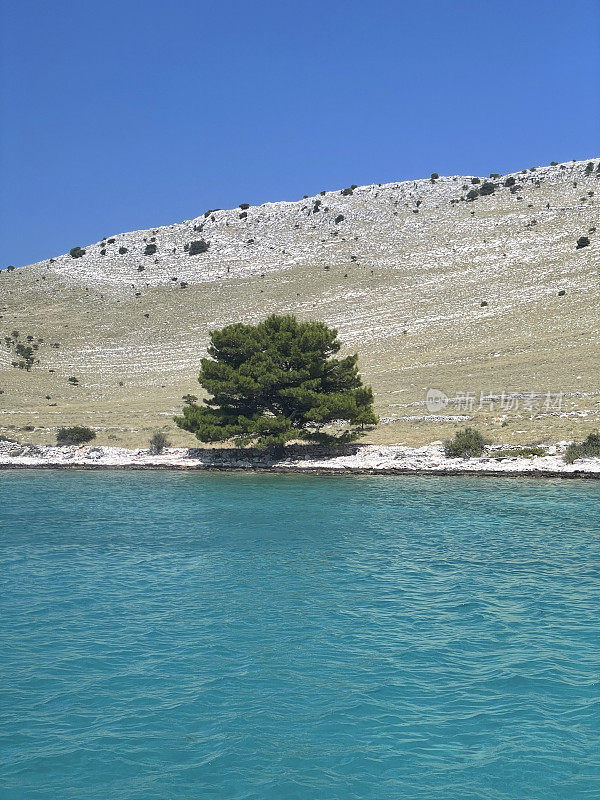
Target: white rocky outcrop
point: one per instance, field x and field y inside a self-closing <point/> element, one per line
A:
<point x="354" y="459"/>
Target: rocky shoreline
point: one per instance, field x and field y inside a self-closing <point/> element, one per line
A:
<point x="355" y="459"/>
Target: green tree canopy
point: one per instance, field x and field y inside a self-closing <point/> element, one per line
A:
<point x="276" y="381"/>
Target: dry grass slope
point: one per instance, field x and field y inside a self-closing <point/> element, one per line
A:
<point x="432" y="289"/>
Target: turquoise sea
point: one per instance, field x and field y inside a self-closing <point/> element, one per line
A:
<point x="189" y="635"/>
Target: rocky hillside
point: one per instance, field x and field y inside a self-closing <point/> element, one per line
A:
<point x="479" y="287"/>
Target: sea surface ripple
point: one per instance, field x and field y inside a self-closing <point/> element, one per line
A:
<point x="188" y="635"/>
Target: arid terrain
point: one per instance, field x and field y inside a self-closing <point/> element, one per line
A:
<point x="489" y="300"/>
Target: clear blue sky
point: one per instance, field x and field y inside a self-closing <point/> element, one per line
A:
<point x="123" y="114"/>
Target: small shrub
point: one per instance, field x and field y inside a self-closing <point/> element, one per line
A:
<point x="150" y="249"/>
<point x="468" y="443"/>
<point x="562" y="293"/>
<point x="74" y="381"/>
<point x="510" y="181"/>
<point x="189" y="399"/>
<point x="197" y="247"/>
<point x="158" y="442"/>
<point x="10" y="268"/>
<point x="78" y="434"/>
<point x="583" y="241"/>
<point x="472" y="194"/>
<point x="487" y="188"/>
<point x="76" y="252"/>
<point x="348" y="191"/>
<point x="434" y="176"/>
<point x="339" y="218"/>
<point x="475" y="180"/>
<point x="590" y="448"/>
<point x="244" y="206"/>
<point x="589" y="168"/>
<point x="122" y="251"/>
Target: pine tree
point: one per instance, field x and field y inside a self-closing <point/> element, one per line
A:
<point x="277" y="381"/>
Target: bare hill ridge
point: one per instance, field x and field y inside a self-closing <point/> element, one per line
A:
<point x="474" y="297"/>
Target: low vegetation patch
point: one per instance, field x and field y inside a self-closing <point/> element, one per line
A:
<point x="518" y="452"/>
<point x="78" y="434"/>
<point x="589" y="448"/>
<point x="25" y="349"/>
<point x="76" y="252"/>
